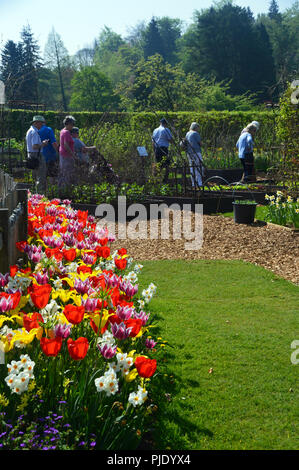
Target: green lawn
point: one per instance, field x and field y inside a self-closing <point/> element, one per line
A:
<point x="239" y="320"/>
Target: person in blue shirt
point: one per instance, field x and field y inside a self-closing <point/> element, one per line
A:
<point x="245" y="147"/>
<point x="161" y="139"/>
<point x="50" y="152"/>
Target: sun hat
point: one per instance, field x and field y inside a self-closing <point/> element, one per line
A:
<point x="255" y="124"/>
<point x="38" y="119"/>
<point x="194" y="125"/>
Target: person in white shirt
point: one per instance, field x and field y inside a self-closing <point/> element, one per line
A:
<point x="34" y="146"/>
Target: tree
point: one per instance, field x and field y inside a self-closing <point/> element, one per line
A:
<point x="282" y="29"/>
<point x="84" y="57"/>
<point x="11" y="69"/>
<point x="108" y="43"/>
<point x="170" y="30"/>
<point x="92" y="91"/>
<point x="158" y="85"/>
<point x="223" y="44"/>
<point x="57" y="59"/>
<point x="30" y="64"/>
<point x="20" y="66"/>
<point x="273" y="11"/>
<point x="152" y="40"/>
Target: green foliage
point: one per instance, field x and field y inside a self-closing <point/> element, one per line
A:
<point x="158" y="85"/>
<point x="19" y="67"/>
<point x="223" y="43"/>
<point x="245" y="202"/>
<point x="92" y="91"/>
<point x="288" y="127"/>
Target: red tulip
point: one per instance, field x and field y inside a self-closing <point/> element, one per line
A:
<point x="80" y="236"/>
<point x="51" y="347"/>
<point x="50" y="252"/>
<point x="69" y="255"/>
<point x="122" y="251"/>
<point x="21" y="245"/>
<point x="103" y="251"/>
<point x="135" y="324"/>
<point x="77" y="349"/>
<point x="74" y="314"/>
<point x="104" y="241"/>
<point x="120" y="263"/>
<point x="40" y="295"/>
<point x="45" y="233"/>
<point x="145" y="367"/>
<point x="32" y="321"/>
<point x="13" y="270"/>
<point x="84" y="269"/>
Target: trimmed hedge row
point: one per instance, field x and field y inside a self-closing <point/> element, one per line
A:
<point x="218" y="123"/>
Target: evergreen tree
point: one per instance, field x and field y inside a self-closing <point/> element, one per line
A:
<point x="152" y="40"/>
<point x="170" y="32"/>
<point x="264" y="64"/>
<point x="11" y="70"/>
<point x="273" y="12"/>
<point x="30" y="64"/>
<point x="223" y="44"/>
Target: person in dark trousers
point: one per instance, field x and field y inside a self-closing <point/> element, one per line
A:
<point x="161" y="139"/>
<point x="245" y="147"/>
<point x="50" y="151"/>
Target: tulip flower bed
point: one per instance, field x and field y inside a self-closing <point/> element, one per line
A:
<point x="79" y="356"/>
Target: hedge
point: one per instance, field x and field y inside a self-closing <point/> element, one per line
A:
<point x="218" y="123"/>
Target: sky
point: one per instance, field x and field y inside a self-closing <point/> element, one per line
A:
<point x="79" y="22"/>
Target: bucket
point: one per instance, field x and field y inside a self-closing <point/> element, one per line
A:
<point x="244" y="213"/>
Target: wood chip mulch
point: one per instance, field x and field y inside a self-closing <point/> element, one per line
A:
<point x="273" y="247"/>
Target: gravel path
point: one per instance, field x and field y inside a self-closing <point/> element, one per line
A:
<point x="272" y="247"/>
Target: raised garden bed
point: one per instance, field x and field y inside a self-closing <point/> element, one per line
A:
<point x="91" y="208"/>
<point x="211" y="204"/>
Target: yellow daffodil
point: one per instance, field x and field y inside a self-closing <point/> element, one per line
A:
<point x="63" y="295"/>
<point x="96" y="318"/>
<point x="131" y="375"/>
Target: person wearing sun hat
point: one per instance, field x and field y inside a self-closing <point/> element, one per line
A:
<point x="34" y="146"/>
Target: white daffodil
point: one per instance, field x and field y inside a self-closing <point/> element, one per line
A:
<point x="58" y="284"/>
<point x="115" y="366"/>
<point x="25" y="359"/>
<point x="139" y="397"/>
<point x="107" y="338"/>
<point x="14" y="367"/>
<point x="100" y="384"/>
<point x="72" y="267"/>
<point x="137" y="268"/>
<point x="107" y="383"/>
<point x="10" y="380"/>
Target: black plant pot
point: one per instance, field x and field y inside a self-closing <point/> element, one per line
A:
<point x="244" y="213"/>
